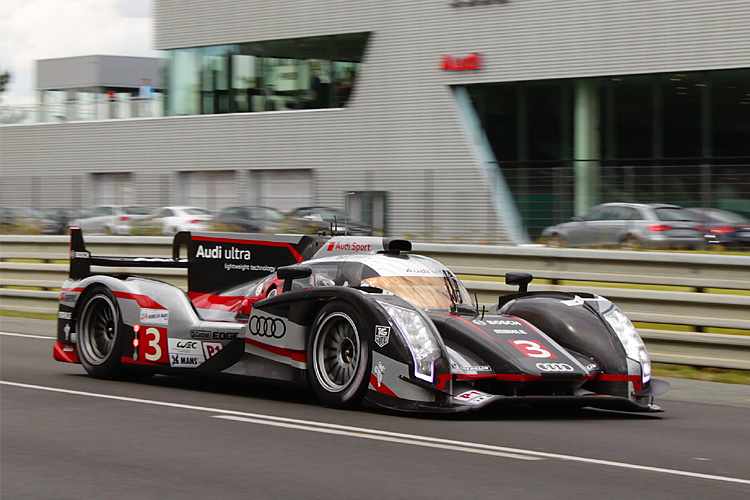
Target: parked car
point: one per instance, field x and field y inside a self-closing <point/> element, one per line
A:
<point x="111" y="219"/>
<point x="724" y="227"/>
<point x="251" y="219"/>
<point x="314" y="219"/>
<point x="20" y="220"/>
<point x="630" y="225"/>
<point x="57" y="220"/>
<point x="180" y="218"/>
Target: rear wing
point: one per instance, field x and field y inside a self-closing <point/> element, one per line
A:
<point x="81" y="259"/>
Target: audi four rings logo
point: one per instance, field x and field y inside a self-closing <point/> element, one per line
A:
<point x="266" y="327"/>
<point x="554" y="367"/>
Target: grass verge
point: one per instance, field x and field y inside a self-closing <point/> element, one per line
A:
<point x="701" y="373"/>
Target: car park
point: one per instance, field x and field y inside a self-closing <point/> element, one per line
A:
<point x="20" y="220"/>
<point x="57" y="220"/>
<point x="174" y="219"/>
<point x="251" y="218"/>
<point x="358" y="320"/>
<point x="111" y="219"/>
<point x="723" y="227"/>
<point x="630" y="225"/>
<point x="314" y="219"/>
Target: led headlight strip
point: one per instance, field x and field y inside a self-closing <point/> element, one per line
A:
<point x="419" y="337"/>
<point x="630" y="340"/>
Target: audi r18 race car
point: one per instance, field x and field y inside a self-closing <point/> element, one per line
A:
<point x="358" y="319"/>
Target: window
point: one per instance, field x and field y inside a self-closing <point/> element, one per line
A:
<point x="273" y="75"/>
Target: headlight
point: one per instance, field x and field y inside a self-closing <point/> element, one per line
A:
<point x="630" y="340"/>
<point x="422" y="344"/>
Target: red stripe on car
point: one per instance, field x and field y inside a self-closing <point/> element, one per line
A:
<point x="294" y="252"/>
<point x="382" y="388"/>
<point x="143" y="300"/>
<point x="294" y="355"/>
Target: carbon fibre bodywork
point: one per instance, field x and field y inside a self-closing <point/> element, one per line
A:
<point x="357" y="318"/>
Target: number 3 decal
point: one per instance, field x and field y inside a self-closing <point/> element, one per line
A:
<point x="153" y="350"/>
<point x="531" y="349"/>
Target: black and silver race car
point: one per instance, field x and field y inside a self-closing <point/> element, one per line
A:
<point x="359" y="319"/>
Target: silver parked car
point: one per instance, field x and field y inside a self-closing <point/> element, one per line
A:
<point x="111" y="219"/>
<point x="630" y="225"/>
<point x="180" y="218"/>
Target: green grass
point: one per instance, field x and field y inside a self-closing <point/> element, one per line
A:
<point x="708" y="374"/>
<point x="28" y="315"/>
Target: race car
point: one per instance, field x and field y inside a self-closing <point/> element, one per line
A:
<point x="360" y="320"/>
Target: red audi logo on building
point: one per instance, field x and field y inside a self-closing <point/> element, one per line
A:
<point x="472" y="61"/>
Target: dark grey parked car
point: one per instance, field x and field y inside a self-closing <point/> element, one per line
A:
<point x="630" y="225"/>
<point x="724" y="227"/>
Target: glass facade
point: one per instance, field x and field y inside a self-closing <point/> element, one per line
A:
<point x="290" y="74"/>
<point x="566" y="145"/>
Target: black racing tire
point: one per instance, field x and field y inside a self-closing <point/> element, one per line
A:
<point x="100" y="334"/>
<point x="339" y="356"/>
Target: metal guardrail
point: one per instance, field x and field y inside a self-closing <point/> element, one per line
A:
<point x="32" y="268"/>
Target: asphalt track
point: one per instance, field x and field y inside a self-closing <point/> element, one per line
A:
<point x="66" y="435"/>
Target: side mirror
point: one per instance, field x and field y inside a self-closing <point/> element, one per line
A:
<point x="291" y="273"/>
<point x="520" y="279"/>
<point x="576" y="219"/>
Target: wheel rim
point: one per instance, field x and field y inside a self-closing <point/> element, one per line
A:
<point x="98" y="330"/>
<point x="337" y="352"/>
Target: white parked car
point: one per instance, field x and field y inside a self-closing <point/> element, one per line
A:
<point x="175" y="219"/>
<point x="111" y="219"/>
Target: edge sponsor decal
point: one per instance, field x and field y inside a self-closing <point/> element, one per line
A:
<point x="158" y="317"/>
<point x="209" y="335"/>
<point x="382" y="335"/>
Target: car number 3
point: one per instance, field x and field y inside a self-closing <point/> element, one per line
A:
<point x="153" y="337"/>
<point x="532" y="349"/>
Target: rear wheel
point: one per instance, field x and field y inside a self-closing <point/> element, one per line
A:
<point x="100" y="334"/>
<point x="339" y="356"/>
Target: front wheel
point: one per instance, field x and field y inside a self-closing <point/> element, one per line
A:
<point x="100" y="335"/>
<point x="338" y="356"/>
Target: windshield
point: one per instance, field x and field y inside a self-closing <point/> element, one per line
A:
<point x="675" y="214"/>
<point x="428" y="292"/>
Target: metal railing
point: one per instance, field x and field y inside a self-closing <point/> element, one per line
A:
<point x="664" y="292"/>
<point x="99" y="108"/>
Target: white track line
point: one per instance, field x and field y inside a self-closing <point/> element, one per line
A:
<point x="412" y="439"/>
<point x="46" y="337"/>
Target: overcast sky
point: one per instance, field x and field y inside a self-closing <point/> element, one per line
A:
<point x="44" y="29"/>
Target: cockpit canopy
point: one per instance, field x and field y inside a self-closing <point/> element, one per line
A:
<point x="420" y="280"/>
